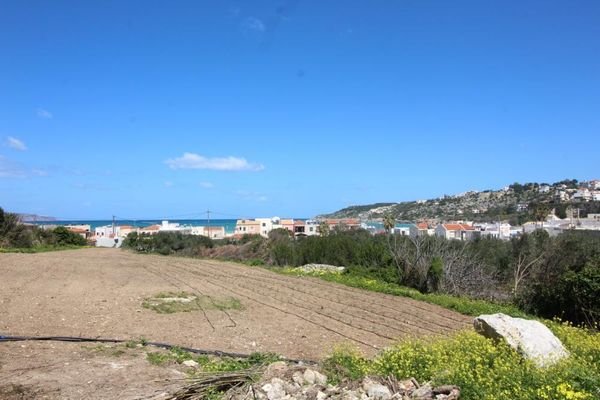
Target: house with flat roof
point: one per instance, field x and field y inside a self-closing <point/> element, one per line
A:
<point x="247" y="227"/>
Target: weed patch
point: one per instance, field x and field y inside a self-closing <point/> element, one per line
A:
<point x="206" y="363"/>
<point x="483" y="368"/>
<point x="40" y="249"/>
<point x="171" y="302"/>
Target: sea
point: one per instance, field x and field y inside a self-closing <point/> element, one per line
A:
<point x="229" y="224"/>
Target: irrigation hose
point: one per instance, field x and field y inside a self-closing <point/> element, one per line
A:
<point x="166" y="346"/>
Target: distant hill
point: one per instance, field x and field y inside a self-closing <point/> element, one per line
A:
<point x="514" y="203"/>
<point x="35" y="218"/>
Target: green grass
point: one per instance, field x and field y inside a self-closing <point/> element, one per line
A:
<point x="206" y="363"/>
<point x="174" y="302"/>
<point x="40" y="249"/>
<point x="462" y="305"/>
<point x="482" y="368"/>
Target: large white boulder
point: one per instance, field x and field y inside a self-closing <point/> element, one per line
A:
<point x="530" y="338"/>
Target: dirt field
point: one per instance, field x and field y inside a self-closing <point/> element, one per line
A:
<point x="99" y="293"/>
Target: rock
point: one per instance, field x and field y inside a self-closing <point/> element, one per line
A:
<point x="530" y="338"/>
<point x="350" y="395"/>
<point x="425" y="392"/>
<point x="190" y="363"/>
<point x="321" y="268"/>
<point x="320" y="379"/>
<point x="311" y="393"/>
<point x="446" y="392"/>
<point x="276" y="370"/>
<point x="309" y="376"/>
<point x="376" y="390"/>
<point x="321" y="396"/>
<point x="407" y="386"/>
<point x="275" y="390"/>
<point x="298" y="378"/>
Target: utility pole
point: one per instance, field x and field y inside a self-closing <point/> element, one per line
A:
<point x="208" y="222"/>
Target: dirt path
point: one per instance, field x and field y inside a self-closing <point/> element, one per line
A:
<point x="99" y="293"/>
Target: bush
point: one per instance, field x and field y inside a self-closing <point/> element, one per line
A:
<point x="567" y="282"/>
<point x="166" y="243"/>
<point x="63" y="236"/>
<point x="485" y="369"/>
<point x="15" y="235"/>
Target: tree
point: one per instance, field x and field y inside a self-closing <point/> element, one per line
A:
<point x="540" y="213"/>
<point x="324" y="228"/>
<point x="528" y="253"/>
<point x="389" y="222"/>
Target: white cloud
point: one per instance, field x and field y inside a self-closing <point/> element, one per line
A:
<point x="207" y="185"/>
<point x="15" y="143"/>
<point x="196" y="161"/>
<point x="39" y="172"/>
<point x="254" y="24"/>
<point x="44" y="113"/>
<point x="9" y="169"/>
<point x="252" y="196"/>
<point x="168" y="184"/>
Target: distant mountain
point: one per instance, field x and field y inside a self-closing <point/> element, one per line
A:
<point x="35" y="218"/>
<point x="515" y="203"/>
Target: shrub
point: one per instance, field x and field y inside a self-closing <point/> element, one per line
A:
<point x="166" y="243"/>
<point x="485" y="369"/>
<point x="63" y="236"/>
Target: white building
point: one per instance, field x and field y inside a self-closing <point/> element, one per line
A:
<point x="582" y="194"/>
<point x="266" y="225"/>
<point x="213" y="232"/>
<point x="496" y="230"/>
<point x="167" y="226"/>
<point x="456" y="231"/>
<point x="311" y="227"/>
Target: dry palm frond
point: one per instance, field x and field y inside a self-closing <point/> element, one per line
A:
<point x="209" y="383"/>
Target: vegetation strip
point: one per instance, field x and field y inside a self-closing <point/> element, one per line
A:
<point x="463" y="305"/>
<point x="484" y="369"/>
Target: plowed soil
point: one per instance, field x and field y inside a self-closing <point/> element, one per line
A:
<point x="99" y="293"/>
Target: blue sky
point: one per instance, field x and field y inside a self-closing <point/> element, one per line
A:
<point x="149" y="109"/>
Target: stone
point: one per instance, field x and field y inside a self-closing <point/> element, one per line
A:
<point x="320" y="268"/>
<point x="350" y="395"/>
<point x="277" y="369"/>
<point x="320" y="379"/>
<point x="321" y="396"/>
<point x="446" y="392"/>
<point x="190" y="363"/>
<point x="407" y="386"/>
<point x="309" y="376"/>
<point x="275" y="390"/>
<point x="425" y="392"/>
<point x="298" y="378"/>
<point x="376" y="390"/>
<point x="530" y="338"/>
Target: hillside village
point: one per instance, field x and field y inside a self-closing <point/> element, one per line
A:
<point x="514" y="204"/>
<point x="502" y="214"/>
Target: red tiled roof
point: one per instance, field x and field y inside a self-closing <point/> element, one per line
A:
<point x="458" y="227"/>
<point x="422" y="225"/>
